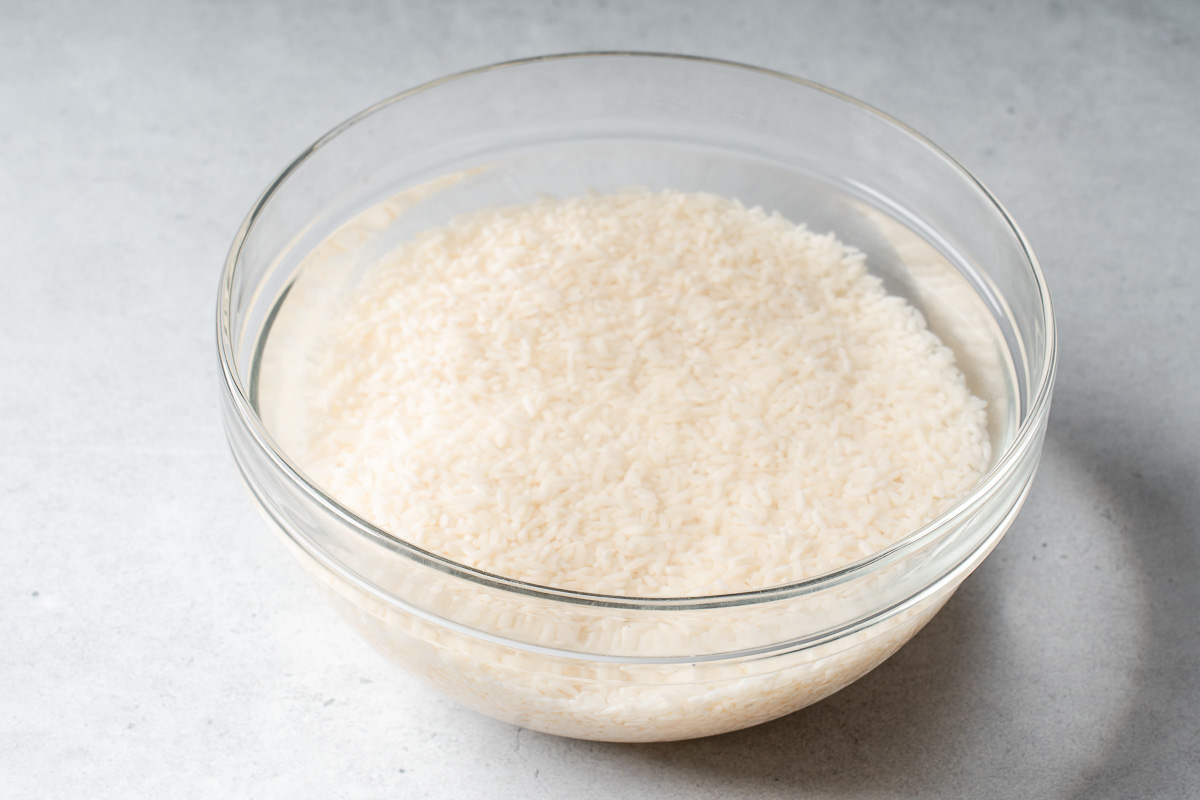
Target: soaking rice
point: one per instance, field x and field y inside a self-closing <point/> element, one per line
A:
<point x="639" y="394"/>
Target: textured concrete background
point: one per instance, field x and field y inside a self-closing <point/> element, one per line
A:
<point x="156" y="641"/>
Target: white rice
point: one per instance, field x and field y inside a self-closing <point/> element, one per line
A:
<point x="637" y="394"/>
<point x="640" y="394"/>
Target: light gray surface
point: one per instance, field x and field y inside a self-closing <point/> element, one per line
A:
<point x="156" y="641"/>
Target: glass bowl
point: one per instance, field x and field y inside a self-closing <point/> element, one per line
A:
<point x="606" y="667"/>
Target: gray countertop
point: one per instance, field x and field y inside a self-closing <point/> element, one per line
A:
<point x="157" y="641"/>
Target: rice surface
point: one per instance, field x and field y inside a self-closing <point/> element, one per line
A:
<point x="641" y="394"/>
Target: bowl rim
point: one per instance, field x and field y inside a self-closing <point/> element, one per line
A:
<point x="1028" y="432"/>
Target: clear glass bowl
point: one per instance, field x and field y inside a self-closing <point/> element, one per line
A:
<point x="615" y="668"/>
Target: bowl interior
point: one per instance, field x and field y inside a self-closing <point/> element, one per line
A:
<point x="511" y="133"/>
